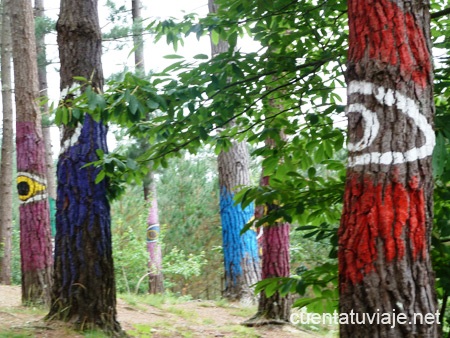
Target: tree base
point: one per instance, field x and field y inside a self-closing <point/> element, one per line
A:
<point x="259" y="320"/>
<point x="111" y="329"/>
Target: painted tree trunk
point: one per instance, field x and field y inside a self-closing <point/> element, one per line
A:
<point x="35" y="244"/>
<point x="241" y="259"/>
<point x="6" y="171"/>
<point x="42" y="81"/>
<point x="384" y="237"/>
<point x="84" y="290"/>
<point x="240" y="252"/>
<point x="155" y="283"/>
<point x="275" y="263"/>
<point x="275" y="244"/>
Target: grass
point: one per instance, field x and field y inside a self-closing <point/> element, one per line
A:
<point x="95" y="334"/>
<point x="244" y="312"/>
<point x="12" y="334"/>
<point x="241" y="331"/>
<point x="153" y="300"/>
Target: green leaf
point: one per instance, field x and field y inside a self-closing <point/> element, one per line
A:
<point x="439" y="155"/>
<point x="173" y="56"/>
<point x="201" y="57"/>
<point x="100" y="177"/>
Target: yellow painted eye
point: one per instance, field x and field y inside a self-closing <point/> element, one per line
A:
<point x="31" y="188"/>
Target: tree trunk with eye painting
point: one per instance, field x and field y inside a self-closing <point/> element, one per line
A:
<point x="35" y="244"/>
<point x="84" y="291"/>
<point x="384" y="237"/>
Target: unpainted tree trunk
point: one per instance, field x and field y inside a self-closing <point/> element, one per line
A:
<point x="138" y="41"/>
<point x="84" y="291"/>
<point x="42" y="81"/>
<point x="35" y="244"/>
<point x="384" y="237"/>
<point x="6" y="171"/>
<point x="241" y="259"/>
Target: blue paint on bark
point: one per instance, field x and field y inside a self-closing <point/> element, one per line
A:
<point x="239" y="250"/>
<point x="82" y="219"/>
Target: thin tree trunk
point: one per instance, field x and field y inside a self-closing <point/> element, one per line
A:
<point x="385" y="232"/>
<point x="241" y="259"/>
<point x="155" y="283"/>
<point x="35" y="244"/>
<point x="84" y="291"/>
<point x="6" y="173"/>
<point x="42" y="80"/>
<point x="138" y="41"/>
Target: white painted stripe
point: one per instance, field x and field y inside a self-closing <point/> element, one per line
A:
<point x="72" y="140"/>
<point x="35" y="198"/>
<point x="371" y="127"/>
<point x="389" y="98"/>
<point x="39" y="179"/>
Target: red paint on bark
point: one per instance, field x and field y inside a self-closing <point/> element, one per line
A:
<point x="276" y="251"/>
<point x="392" y="36"/>
<point x="34" y="220"/>
<point x="26" y="139"/>
<point x="36" y="253"/>
<point x="391" y="213"/>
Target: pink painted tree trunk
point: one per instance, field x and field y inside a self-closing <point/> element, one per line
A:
<point x="274" y="243"/>
<point x="155" y="283"/>
<point x="35" y="243"/>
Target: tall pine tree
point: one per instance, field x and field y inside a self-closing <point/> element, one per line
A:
<point x="84" y="286"/>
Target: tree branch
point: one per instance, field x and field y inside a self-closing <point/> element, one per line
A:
<point x="440" y="14"/>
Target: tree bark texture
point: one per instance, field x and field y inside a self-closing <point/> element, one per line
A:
<point x="42" y="81"/>
<point x="35" y="244"/>
<point x="138" y="41"/>
<point x="384" y="237"/>
<point x="274" y="242"/>
<point x="275" y="263"/>
<point x="84" y="290"/>
<point x="241" y="259"/>
<point x="155" y="283"/>
<point x="6" y="171"/>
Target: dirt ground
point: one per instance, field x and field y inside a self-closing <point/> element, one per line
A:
<point x="187" y="319"/>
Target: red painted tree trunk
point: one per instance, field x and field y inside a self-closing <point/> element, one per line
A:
<point x="155" y="283"/>
<point x="274" y="242"/>
<point x="384" y="237"/>
<point x="35" y="244"/>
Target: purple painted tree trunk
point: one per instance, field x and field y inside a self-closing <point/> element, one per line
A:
<point x="35" y="244"/>
<point x="84" y="290"/>
<point x="155" y="283"/>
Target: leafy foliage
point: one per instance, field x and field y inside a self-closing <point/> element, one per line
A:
<point x="300" y="66"/>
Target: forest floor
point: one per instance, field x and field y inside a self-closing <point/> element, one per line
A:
<point x="146" y="316"/>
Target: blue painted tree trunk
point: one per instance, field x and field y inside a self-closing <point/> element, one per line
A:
<point x="241" y="259"/>
<point x="240" y="252"/>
